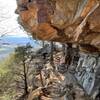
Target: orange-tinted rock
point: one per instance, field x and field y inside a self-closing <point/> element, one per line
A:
<point x="46" y="32"/>
<point x="69" y="21"/>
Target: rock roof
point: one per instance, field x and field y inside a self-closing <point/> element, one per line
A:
<point x="67" y="21"/>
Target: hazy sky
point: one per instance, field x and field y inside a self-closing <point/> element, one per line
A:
<point x="8" y="19"/>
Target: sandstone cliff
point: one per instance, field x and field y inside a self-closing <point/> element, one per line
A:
<point x="74" y="22"/>
<point x="68" y="21"/>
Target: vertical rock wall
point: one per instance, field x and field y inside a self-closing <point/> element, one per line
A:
<point x="87" y="72"/>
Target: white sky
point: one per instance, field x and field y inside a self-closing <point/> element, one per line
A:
<point x="8" y="19"/>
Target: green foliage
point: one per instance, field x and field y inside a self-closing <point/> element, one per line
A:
<point x="23" y="52"/>
<point x="6" y="79"/>
<point x="13" y="71"/>
<point x="5" y="97"/>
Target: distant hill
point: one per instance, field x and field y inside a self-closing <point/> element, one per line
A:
<point x="17" y="40"/>
<point x="8" y="43"/>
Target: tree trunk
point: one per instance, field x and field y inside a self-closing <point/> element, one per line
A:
<point x="25" y="79"/>
<point x="68" y="55"/>
<point x="43" y="44"/>
<point x="64" y="48"/>
<point x="51" y="54"/>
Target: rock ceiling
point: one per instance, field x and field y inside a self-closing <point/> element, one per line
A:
<point x="67" y="21"/>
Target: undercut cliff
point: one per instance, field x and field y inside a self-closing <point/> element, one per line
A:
<point x="75" y="23"/>
<point x="66" y="21"/>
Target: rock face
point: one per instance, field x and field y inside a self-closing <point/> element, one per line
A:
<point x="82" y="76"/>
<point x="69" y="21"/>
<point x="87" y="72"/>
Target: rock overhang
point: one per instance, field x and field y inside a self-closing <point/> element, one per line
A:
<point x="66" y="21"/>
